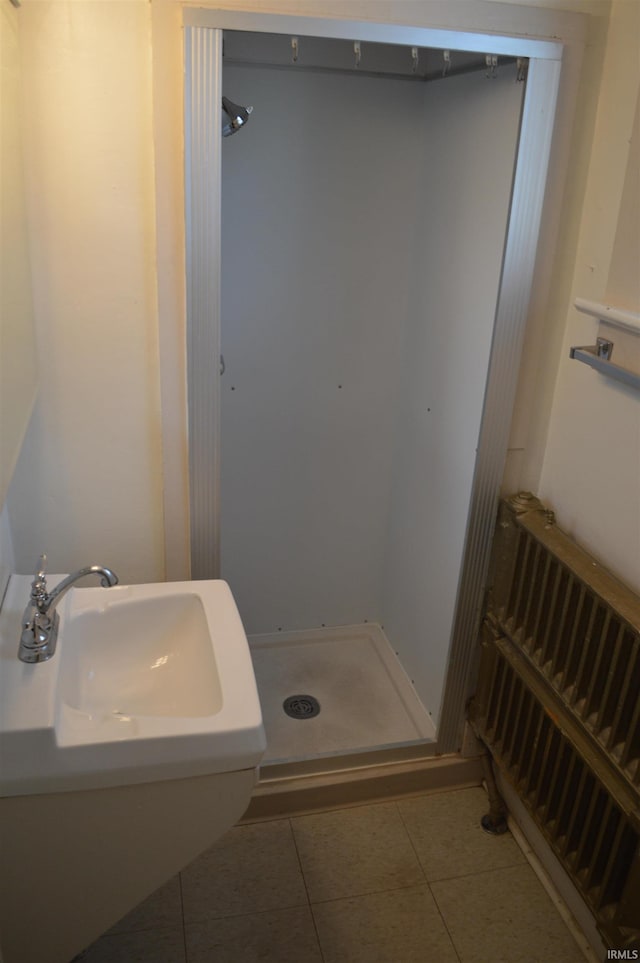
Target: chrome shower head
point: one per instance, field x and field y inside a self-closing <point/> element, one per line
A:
<point x="238" y="116"/>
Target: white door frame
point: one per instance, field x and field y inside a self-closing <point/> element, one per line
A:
<point x="203" y="91"/>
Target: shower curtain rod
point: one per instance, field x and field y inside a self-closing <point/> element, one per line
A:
<point x="368" y="59"/>
<point x="351" y="72"/>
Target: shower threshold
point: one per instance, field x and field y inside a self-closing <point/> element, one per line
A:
<point x="350" y="697"/>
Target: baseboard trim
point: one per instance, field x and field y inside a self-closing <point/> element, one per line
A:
<point x="296" y="794"/>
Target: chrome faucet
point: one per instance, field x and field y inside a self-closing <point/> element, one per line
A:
<point x="40" y="620"/>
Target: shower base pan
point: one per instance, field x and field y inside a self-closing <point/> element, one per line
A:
<point x="366" y="701"/>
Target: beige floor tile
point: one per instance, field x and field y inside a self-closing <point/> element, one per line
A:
<point x="402" y="926"/>
<point x="251" y="868"/>
<point x="504" y="916"/>
<point x="445" y="830"/>
<point x="355" y="851"/>
<point x="160" y="945"/>
<point x="280" y="936"/>
<point x="162" y="908"/>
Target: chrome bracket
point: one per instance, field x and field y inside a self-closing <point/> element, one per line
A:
<point x="604" y="349"/>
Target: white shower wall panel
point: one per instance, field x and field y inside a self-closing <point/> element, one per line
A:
<point x="321" y="211"/>
<point x="471" y="127"/>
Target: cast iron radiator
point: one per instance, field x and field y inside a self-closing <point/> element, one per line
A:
<point x="558" y="705"/>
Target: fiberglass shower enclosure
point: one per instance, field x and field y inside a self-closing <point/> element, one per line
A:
<point x="361" y="255"/>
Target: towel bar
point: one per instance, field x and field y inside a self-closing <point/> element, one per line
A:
<point x="598" y="356"/>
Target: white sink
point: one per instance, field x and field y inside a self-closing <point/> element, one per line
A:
<point x="149" y="682"/>
<point x="140" y="657"/>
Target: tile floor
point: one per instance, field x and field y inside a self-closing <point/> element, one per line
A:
<point x="412" y="881"/>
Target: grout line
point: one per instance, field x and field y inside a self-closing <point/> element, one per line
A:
<point x="479" y="872"/>
<point x="369" y="892"/>
<point x="184" y="927"/>
<point x="348" y="807"/>
<point x="295" y="846"/>
<point x="408" y="834"/>
<point x="444" y="922"/>
<point x="306" y="889"/>
<point x="253" y="912"/>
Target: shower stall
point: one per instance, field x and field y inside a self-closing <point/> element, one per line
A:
<point x="359" y="263"/>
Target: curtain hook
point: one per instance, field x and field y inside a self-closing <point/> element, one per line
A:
<point x="294" y="50"/>
<point x="415" y="59"/>
<point x="446" y="62"/>
<point x="357" y="53"/>
<point x="491" y="61"/>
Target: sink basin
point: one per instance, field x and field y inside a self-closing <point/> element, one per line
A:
<point x="149" y="657"/>
<point x="149" y="682"/>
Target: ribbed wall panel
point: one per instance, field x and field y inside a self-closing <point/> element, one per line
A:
<point x="203" y="92"/>
<point x="513" y="304"/>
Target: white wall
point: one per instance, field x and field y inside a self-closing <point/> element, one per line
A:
<point x="470" y="130"/>
<point x="591" y="471"/>
<point x="623" y="282"/>
<point x="88" y="484"/>
<point x="18" y="367"/>
<point x="320" y="216"/>
<point x="7" y="558"/>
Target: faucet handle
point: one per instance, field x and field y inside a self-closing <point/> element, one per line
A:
<point x="39" y="584"/>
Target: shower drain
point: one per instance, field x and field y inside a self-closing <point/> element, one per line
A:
<point x="301" y="706"/>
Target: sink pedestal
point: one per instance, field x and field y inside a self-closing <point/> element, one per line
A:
<point x="73" y="863"/>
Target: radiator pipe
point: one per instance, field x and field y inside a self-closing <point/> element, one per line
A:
<point x="495" y="821"/>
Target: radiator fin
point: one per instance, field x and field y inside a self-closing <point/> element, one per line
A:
<point x="581" y="645"/>
<point x="558" y="704"/>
